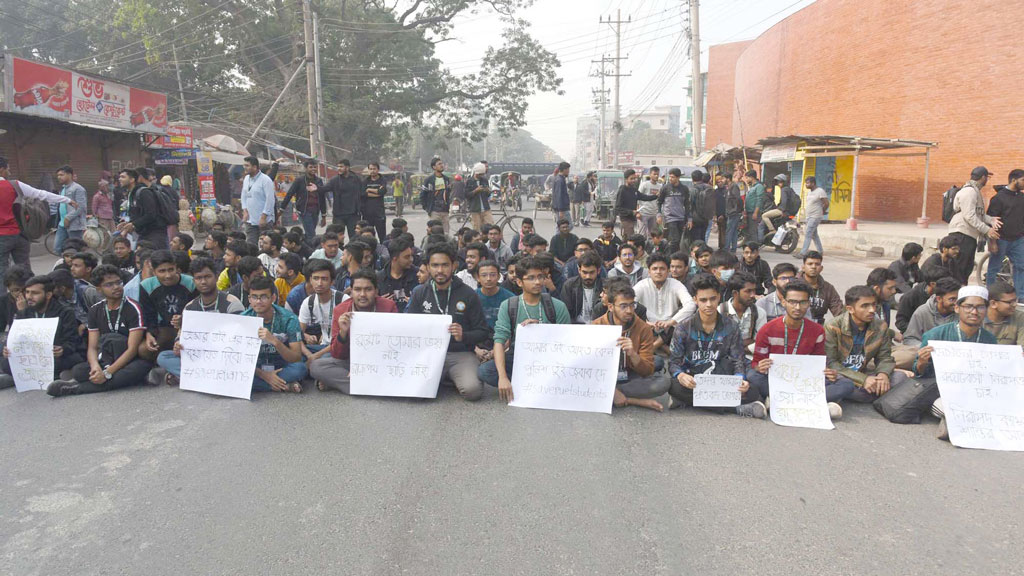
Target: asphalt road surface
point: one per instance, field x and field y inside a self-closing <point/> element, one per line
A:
<point x="160" y="481"/>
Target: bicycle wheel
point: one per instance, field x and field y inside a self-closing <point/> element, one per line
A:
<point x="981" y="268"/>
<point x="50" y="241"/>
<point x="513" y="223"/>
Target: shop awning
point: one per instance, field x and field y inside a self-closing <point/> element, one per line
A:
<point x="830" y="145"/>
<point x="726" y="152"/>
<point x="225" y="157"/>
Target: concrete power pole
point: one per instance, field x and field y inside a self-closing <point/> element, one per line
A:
<point x="601" y="100"/>
<point x="617" y="122"/>
<point x="181" y="90"/>
<point x="314" y="117"/>
<point x="697" y="93"/>
<point x="322" y="152"/>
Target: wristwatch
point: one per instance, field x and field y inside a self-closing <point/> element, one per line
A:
<point x="107" y="374"/>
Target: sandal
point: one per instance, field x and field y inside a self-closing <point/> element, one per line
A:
<point x="296" y="387"/>
<point x="320" y="386"/>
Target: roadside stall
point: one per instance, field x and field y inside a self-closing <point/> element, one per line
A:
<point x="725" y="158"/>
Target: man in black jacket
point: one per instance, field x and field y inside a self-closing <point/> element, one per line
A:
<point x="1008" y="206"/>
<point x="581" y="294"/>
<point x="310" y="199"/>
<point x="436" y="194"/>
<point x="143" y="209"/>
<point x="67" y="344"/>
<point x="919" y="294"/>
<point x="906" y="269"/>
<point x="626" y="202"/>
<point x="752" y="264"/>
<point x="445" y="294"/>
<point x="346" y="187"/>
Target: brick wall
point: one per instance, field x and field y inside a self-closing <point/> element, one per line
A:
<point x="721" y="81"/>
<point x="937" y="70"/>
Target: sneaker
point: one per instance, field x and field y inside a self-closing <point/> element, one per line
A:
<point x="6" y="381"/>
<point x="943" y="430"/>
<point x="835" y="411"/>
<point x="156" y="376"/>
<point x="752" y="410"/>
<point x="938" y="408"/>
<point x="66" y="375"/>
<point x="62" y="388"/>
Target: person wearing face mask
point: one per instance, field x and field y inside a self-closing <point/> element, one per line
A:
<point x="667" y="301"/>
<point x="723" y="265"/>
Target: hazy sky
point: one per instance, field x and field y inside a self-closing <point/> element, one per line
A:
<point x="571" y="29"/>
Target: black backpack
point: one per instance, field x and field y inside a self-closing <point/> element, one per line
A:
<point x="793" y="203"/>
<point x="167" y="205"/>
<point x="546" y="304"/>
<point x="947" y="203"/>
<point x="32" y="214"/>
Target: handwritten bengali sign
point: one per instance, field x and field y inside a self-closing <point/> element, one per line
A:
<point x="717" y="390"/>
<point x="566" y="367"/>
<point x="982" y="389"/>
<point x="31" y="344"/>
<point x="797" y="390"/>
<point x="218" y="353"/>
<point x="398" y="354"/>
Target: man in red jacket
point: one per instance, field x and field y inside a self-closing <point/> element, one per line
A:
<point x="794" y="334"/>
<point x="332" y="371"/>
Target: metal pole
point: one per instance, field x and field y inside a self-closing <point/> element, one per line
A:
<point x="697" y="119"/>
<point x="923" y="221"/>
<point x="314" y="122"/>
<point x="322" y="152"/>
<point x="851" y="222"/>
<point x="618" y="64"/>
<point x="181" y="91"/>
<point x="276" y="102"/>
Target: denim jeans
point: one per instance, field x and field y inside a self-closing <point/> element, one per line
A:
<point x="62" y="236"/>
<point x="290" y="372"/>
<point x="1014" y="250"/>
<point x="169" y="361"/>
<point x="732" y="232"/>
<point x="834" y="391"/>
<point x="13" y="247"/>
<point x="309" y="221"/>
<point x="811" y="232"/>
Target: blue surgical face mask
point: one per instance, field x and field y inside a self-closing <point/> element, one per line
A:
<point x="727" y="275"/>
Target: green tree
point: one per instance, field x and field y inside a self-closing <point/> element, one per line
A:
<point x="642" y="139"/>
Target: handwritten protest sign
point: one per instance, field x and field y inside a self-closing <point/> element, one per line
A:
<point x="982" y="389"/>
<point x="219" y="352"/>
<point x="31" y="344"/>
<point x="717" y="390"/>
<point x="398" y="354"/>
<point x="797" y="390"/>
<point x="565" y="367"/>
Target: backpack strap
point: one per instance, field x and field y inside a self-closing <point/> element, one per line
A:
<point x="549" y="306"/>
<point x="513" y="312"/>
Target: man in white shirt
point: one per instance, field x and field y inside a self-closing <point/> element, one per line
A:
<point x="14" y="246"/>
<point x="317" y="309"/>
<point x="475" y="253"/>
<point x="815" y="206"/>
<point x="667" y="300"/>
<point x="257" y="200"/>
<point x="649" y="208"/>
<point x="742" y="307"/>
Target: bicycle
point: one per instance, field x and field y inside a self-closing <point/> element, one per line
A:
<point x="1005" y="273"/>
<point x="96" y="237"/>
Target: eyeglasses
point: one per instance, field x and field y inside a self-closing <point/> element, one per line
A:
<point x="260" y="298"/>
<point x="799" y="303"/>
<point x="1010" y="302"/>
<point x="625" y="307"/>
<point x="974" y="307"/>
<point x="114" y="284"/>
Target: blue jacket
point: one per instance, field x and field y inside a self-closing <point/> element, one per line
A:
<point x="560" y="194"/>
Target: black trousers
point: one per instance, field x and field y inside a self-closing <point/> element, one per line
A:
<point x="132" y="374"/>
<point x="964" y="263"/>
<point x="349" y="220"/>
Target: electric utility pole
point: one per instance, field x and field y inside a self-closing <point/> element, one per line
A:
<point x="322" y="152"/>
<point x="617" y="122"/>
<point x="601" y="100"/>
<point x="181" y="90"/>
<point x="314" y="117"/>
<point x="697" y="91"/>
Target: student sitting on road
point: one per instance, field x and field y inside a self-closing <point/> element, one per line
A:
<point x="795" y="334"/>
<point x="857" y="344"/>
<point x="700" y="261"/>
<point x="908" y="273"/>
<point x="332" y="370"/>
<point x="918" y="295"/>
<point x="679" y="266"/>
<point x="329" y="248"/>
<point x="638" y="383"/>
<point x="667" y="301"/>
<point x="607" y="244"/>
<point x="163" y="298"/>
<point x="476" y="252"/>
<point x="233" y="254"/>
<point x="279" y="366"/>
<point x="582" y="293"/>
<point x="883" y="282"/>
<point x="742" y="307"/>
<point x="772" y="306"/>
<point x="445" y="294"/>
<point x="752" y="263"/>
<point x="946" y="257"/>
<point x="491" y="296"/>
<point x="210" y="299"/>
<point x="1004" y="320"/>
<point x="532" y="307"/>
<point x="938" y="310"/>
<point x="627" y="267"/>
<point x="289" y="275"/>
<point x="824" y="296"/>
<point x="249" y="268"/>
<point x="316" y="310"/>
<point x="67" y="342"/>
<point x="710" y="343"/>
<point x="115" y="336"/>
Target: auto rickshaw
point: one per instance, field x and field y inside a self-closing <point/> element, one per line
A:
<point x="608" y="183"/>
<point x="512" y="190"/>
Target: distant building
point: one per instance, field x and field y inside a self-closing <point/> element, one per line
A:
<point x="663" y="118"/>
<point x="588" y="135"/>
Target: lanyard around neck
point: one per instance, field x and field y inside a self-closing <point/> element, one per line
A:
<point x="799" y="336"/>
<point x="448" y="302"/>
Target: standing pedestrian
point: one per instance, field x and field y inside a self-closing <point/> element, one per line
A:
<point x="816" y="206"/>
<point x="577" y="206"/>
<point x="436" y="194"/>
<point x="70" y="221"/>
<point x="970" y="223"/>
<point x="143" y="208"/>
<point x="649" y="208"/>
<point x="733" y="212"/>
<point x="398" y="193"/>
<point x="257" y="200"/>
<point x="478" y="192"/>
<point x="625" y="202"/>
<point x="584" y="195"/>
<point x="719" y="221"/>
<point x="560" y="194"/>
<point x="674" y="203"/>
<point x="700" y="214"/>
<point x="103" y="206"/>
<point x="310" y="199"/>
<point x="372" y="201"/>
<point x="1008" y="206"/>
<point x="346" y="187"/>
<point x="752" y="205"/>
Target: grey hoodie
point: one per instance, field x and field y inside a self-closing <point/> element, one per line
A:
<point x="924" y="319"/>
<point x="638" y="273"/>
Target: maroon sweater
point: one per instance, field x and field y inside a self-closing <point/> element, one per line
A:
<point x="771" y="336"/>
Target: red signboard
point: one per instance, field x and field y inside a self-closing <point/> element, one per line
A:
<point x="38" y="89"/>
<point x="178" y="138"/>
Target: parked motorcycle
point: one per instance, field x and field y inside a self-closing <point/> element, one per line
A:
<point x="785" y="241"/>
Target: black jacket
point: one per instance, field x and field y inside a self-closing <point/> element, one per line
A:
<point x="464" y="307"/>
<point x="428" y="196"/>
<point x="909" y="303"/>
<point x="371" y="198"/>
<point x="761" y="272"/>
<point x="1009" y="206"/>
<point x="626" y="199"/>
<point x="144" y="210"/>
<point x="907" y="275"/>
<point x="67" y="335"/>
<point x="572" y="296"/>
<point x="346" y="194"/>
<point x="298" y="191"/>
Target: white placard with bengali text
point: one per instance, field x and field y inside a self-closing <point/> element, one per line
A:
<point x="797" y="389"/>
<point x="566" y="367"/>
<point x="982" y="389"/>
<point x="398" y="354"/>
<point x="717" y="390"/>
<point x="31" y="344"/>
<point x="219" y="352"/>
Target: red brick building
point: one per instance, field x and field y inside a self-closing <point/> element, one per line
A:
<point x="940" y="71"/>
